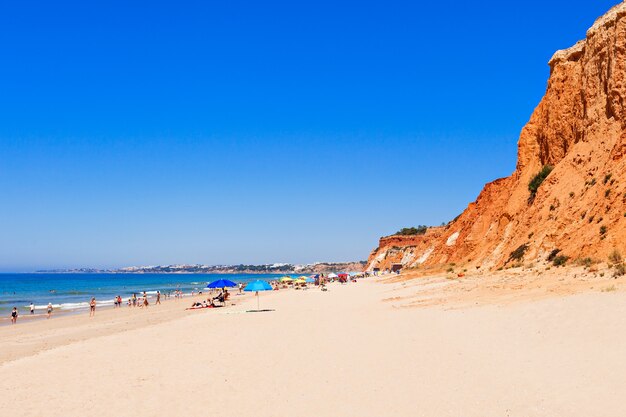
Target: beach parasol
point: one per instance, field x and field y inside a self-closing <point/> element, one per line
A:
<point x="300" y="281"/>
<point x="309" y="280"/>
<point x="258" y="285"/>
<point x="221" y="283"/>
<point x="286" y="279"/>
<point x="333" y="275"/>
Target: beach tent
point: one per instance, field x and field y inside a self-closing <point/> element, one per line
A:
<point x="258" y="285"/>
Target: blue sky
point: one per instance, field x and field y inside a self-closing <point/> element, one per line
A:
<point x="253" y="132"/>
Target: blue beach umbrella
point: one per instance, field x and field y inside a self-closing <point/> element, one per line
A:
<point x="258" y="285"/>
<point x="221" y="283"/>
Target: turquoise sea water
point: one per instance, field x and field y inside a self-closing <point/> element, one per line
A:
<point x="73" y="291"/>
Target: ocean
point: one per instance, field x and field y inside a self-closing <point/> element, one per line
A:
<point x="73" y="291"/>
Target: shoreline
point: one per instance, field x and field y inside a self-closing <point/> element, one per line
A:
<point x="63" y="312"/>
<point x="69" y="292"/>
<point x="70" y="327"/>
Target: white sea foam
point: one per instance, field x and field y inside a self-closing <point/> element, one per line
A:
<point x="151" y="295"/>
<point x="73" y="306"/>
<point x="44" y="307"/>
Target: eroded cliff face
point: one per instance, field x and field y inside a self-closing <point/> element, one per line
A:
<point x="579" y="127"/>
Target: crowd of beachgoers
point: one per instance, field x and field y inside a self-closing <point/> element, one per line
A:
<point x="217" y="292"/>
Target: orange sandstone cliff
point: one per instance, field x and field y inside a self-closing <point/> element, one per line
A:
<point x="579" y="128"/>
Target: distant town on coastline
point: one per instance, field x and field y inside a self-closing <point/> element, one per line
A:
<point x="277" y="268"/>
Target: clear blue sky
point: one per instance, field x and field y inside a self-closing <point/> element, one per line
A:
<point x="253" y="132"/>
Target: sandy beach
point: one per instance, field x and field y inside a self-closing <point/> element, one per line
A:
<point x="361" y="349"/>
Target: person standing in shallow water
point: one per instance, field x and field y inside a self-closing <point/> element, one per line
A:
<point x="14" y="315"/>
<point x="49" y="310"/>
<point x="92" y="307"/>
<point x="32" y="308"/>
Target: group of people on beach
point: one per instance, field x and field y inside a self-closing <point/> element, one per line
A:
<point x="134" y="301"/>
<point x="141" y="301"/>
<point x="15" y="312"/>
<point x="222" y="297"/>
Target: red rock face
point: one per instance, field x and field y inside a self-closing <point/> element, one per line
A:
<point x="579" y="127"/>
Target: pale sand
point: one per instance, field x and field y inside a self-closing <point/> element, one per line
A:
<point x="344" y="352"/>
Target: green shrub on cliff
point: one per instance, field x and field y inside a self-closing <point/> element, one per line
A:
<point x="518" y="254"/>
<point x="560" y="260"/>
<point x="538" y="179"/>
<point x="411" y="231"/>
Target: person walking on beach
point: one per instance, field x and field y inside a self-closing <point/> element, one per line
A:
<point x="32" y="308"/>
<point x="240" y="288"/>
<point x="49" y="310"/>
<point x="158" y="300"/>
<point x="14" y="315"/>
<point x="92" y="307"/>
<point x="134" y="300"/>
